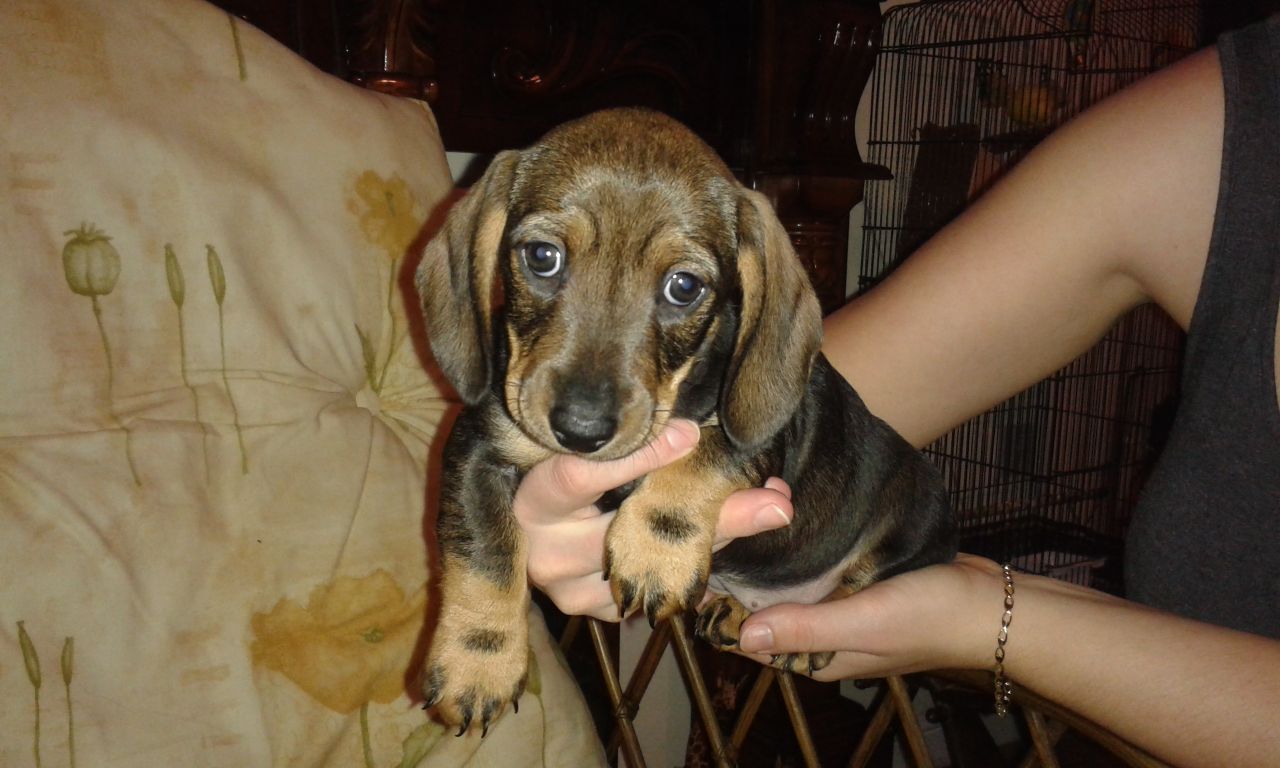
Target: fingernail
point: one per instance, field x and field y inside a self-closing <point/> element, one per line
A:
<point x="779" y="485"/>
<point x="682" y="438"/>
<point x="770" y="517"/>
<point x="756" y="639"/>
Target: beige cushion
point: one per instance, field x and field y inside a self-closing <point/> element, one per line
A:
<point x="214" y="425"/>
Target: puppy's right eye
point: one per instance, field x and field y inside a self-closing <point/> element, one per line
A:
<point x="542" y="259"/>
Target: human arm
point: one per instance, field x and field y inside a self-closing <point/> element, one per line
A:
<point x="1114" y="210"/>
<point x="555" y="505"/>
<point x="1189" y="693"/>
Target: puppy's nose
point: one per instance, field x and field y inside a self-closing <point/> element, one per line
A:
<point x="583" y="419"/>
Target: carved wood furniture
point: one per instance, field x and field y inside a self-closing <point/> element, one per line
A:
<point x="772" y="85"/>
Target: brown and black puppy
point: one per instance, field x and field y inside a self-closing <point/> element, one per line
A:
<point x="609" y="278"/>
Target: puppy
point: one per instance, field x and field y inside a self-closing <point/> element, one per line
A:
<point x="587" y="290"/>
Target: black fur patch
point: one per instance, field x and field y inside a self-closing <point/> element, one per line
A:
<point x="671" y="526"/>
<point x="484" y="640"/>
<point x="611" y="500"/>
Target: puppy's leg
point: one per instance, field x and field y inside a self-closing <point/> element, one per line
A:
<point x="479" y="654"/>
<point x="478" y="658"/>
<point x="658" y="548"/>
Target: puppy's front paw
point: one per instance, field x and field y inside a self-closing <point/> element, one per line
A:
<point x="658" y="560"/>
<point x="479" y="654"/>
<point x="720" y="622"/>
<point x="473" y="672"/>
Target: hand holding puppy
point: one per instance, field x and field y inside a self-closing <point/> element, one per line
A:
<point x="938" y="617"/>
<point x="555" y="505"/>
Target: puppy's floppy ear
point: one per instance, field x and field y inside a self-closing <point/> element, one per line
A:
<point x="456" y="280"/>
<point x="779" y="332"/>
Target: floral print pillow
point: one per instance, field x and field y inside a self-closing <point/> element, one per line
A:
<point x="215" y="425"/>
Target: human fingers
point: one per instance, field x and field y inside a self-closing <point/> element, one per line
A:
<point x="585" y="596"/>
<point x="566" y="562"/>
<point x="924" y="619"/>
<point x="565" y="484"/>
<point x="567" y="550"/>
<point x="752" y="511"/>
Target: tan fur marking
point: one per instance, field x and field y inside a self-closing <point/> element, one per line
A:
<point x="860" y="574"/>
<point x="488" y="236"/>
<point x="515" y="446"/>
<point x="513" y="386"/>
<point x="751" y="275"/>
<point x="665" y="397"/>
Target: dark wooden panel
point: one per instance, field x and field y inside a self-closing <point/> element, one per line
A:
<point x="772" y="85"/>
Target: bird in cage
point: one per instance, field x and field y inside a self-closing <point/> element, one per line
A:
<point x="1078" y="16"/>
<point x="1034" y="105"/>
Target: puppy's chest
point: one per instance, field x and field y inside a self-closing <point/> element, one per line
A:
<point x="757" y="598"/>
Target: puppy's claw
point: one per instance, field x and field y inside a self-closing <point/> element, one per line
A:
<point x="490" y="711"/>
<point x="608" y="564"/>
<point x="801" y="663"/>
<point x="627" y="603"/>
<point x="433" y="689"/>
<point x="653" y="601"/>
<point x="515" y="706"/>
<point x="714" y="626"/>
<point x="466" y="721"/>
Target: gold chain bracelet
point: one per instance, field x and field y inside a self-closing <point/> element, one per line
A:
<point x="1003" y="688"/>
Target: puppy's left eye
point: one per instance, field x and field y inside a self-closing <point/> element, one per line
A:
<point x="682" y="289"/>
<point x="542" y="259"/>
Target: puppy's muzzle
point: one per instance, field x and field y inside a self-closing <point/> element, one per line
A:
<point x="584" y="418"/>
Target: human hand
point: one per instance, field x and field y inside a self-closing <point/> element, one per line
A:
<point x="942" y="616"/>
<point x="555" y="505"/>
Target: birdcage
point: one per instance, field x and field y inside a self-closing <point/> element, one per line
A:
<point x="962" y="90"/>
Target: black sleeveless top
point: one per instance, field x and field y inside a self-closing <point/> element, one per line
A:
<point x="1205" y="540"/>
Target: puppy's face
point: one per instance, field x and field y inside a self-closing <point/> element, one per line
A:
<point x="617" y="276"/>
<point x="635" y="273"/>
